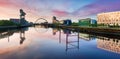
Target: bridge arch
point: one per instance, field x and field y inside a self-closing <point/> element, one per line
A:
<point x="41" y="19"/>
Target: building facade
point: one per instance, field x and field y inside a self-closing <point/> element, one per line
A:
<point x="17" y="21"/>
<point x="87" y="22"/>
<point x="110" y="18"/>
<point x="67" y="22"/>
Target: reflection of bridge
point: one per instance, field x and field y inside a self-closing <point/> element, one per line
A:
<point x="41" y="29"/>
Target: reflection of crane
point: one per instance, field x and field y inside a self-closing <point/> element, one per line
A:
<point x="40" y="21"/>
<point x="72" y="44"/>
<point x="22" y="36"/>
<point x="69" y="43"/>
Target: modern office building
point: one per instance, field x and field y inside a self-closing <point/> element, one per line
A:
<point x="24" y="22"/>
<point x="67" y="22"/>
<point x="17" y="21"/>
<point x="87" y="22"/>
<point x="109" y="18"/>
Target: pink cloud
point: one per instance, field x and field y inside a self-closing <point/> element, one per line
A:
<point x="98" y="7"/>
<point x="60" y="13"/>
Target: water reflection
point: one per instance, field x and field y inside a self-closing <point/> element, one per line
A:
<point x="87" y="37"/>
<point x="55" y="30"/>
<point x="104" y="43"/>
<point x="6" y="34"/>
<point x="9" y="33"/>
<point x="22" y="35"/>
<point x="56" y="43"/>
<point x="69" y="41"/>
<point x="109" y="44"/>
<point x="41" y="29"/>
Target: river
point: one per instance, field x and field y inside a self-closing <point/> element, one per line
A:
<point x="51" y="43"/>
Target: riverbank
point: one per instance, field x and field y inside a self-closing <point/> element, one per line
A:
<point x="98" y="30"/>
<point x="93" y="29"/>
<point x="13" y="27"/>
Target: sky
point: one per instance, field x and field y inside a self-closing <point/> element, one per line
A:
<point x="62" y="9"/>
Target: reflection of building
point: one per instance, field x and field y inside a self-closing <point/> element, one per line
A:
<point x="87" y="22"/>
<point x="67" y="31"/>
<point x="6" y="34"/>
<point x="108" y="44"/>
<point x="110" y="18"/>
<point x="87" y="37"/>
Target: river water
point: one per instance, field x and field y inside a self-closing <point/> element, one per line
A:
<point x="51" y="43"/>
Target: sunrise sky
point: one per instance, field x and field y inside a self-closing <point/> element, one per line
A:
<point x="71" y="9"/>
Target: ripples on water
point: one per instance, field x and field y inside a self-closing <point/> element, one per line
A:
<point x="52" y="43"/>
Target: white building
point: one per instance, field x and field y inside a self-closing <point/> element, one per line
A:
<point x="110" y="18"/>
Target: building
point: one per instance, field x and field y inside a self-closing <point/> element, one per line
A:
<point x="17" y="21"/>
<point x="67" y="22"/>
<point x="87" y="22"/>
<point x="109" y="18"/>
<point x="23" y="22"/>
<point x="93" y="21"/>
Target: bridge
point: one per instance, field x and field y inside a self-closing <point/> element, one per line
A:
<point x="40" y="21"/>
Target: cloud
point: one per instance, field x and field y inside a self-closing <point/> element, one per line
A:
<point x="98" y="7"/>
<point x="60" y="13"/>
<point x="60" y="8"/>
